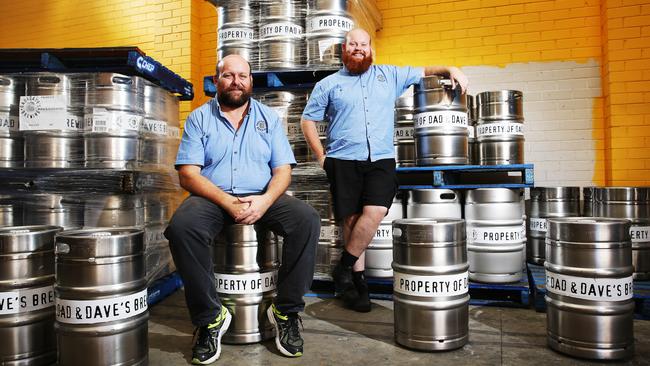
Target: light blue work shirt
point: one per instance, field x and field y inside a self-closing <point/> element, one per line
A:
<point x="238" y="162"/>
<point x="360" y="110"/>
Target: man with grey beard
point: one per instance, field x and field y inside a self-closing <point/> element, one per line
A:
<point x="359" y="159"/>
<point x="235" y="160"/>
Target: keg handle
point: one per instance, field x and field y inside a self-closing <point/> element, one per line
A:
<point x="49" y="80"/>
<point x="122" y="80"/>
<point x="62" y="248"/>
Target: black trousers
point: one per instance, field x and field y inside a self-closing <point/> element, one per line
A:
<point x="197" y="222"/>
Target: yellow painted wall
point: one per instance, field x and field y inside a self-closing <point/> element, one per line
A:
<point x="181" y="34"/>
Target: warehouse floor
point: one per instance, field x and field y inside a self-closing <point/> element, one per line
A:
<point x="336" y="336"/>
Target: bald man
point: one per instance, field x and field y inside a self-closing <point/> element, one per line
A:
<point x="235" y="160"/>
<point x="359" y="159"/>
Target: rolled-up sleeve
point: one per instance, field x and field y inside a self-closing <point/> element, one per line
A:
<point x="191" y="150"/>
<point x="407" y="76"/>
<point x="316" y="105"/>
<point x="281" y="153"/>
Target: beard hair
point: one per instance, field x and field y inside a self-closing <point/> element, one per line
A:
<point x="357" y="67"/>
<point x="226" y="98"/>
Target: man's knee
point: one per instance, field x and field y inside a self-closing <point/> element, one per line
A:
<point x="376" y="213"/>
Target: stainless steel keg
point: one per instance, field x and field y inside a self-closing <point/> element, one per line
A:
<point x="548" y="202"/>
<point x="500" y="127"/>
<point x="113" y="117"/>
<point x="329" y="250"/>
<point x="154" y="149"/>
<point x="430" y="286"/>
<point x="473" y="155"/>
<point x="65" y="211"/>
<point x="589" y="287"/>
<point x="246" y="272"/>
<point x="403" y="139"/>
<point x="440" y="123"/>
<point x="52" y="120"/>
<point x="288" y="104"/>
<point x="101" y="297"/>
<point x="632" y="203"/>
<point x="327" y="23"/>
<point x="11" y="213"/>
<point x="236" y="30"/>
<point x="114" y="210"/>
<point x="27" y="295"/>
<point x="11" y="139"/>
<point x="433" y="203"/>
<point x="496" y="234"/>
<point x="281" y="34"/>
<point x="379" y="254"/>
<point x="588" y="201"/>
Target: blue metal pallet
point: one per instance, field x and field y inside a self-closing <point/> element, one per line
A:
<point x="537" y="276"/>
<point x="163" y="287"/>
<point x="466" y="176"/>
<point x="276" y="80"/>
<point x="123" y="60"/>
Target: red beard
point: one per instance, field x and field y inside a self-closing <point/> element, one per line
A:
<point x="357" y="67"/>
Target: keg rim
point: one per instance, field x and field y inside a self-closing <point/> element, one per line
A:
<point x="473" y="196"/>
<point x="581" y="230"/>
<point x="6" y="231"/>
<point x="618" y="194"/>
<point x="421" y="221"/>
<point x="116" y="232"/>
<point x="564" y="193"/>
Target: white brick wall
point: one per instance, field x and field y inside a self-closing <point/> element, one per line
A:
<point x="558" y="111"/>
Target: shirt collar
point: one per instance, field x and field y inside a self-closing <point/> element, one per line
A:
<point x="344" y="71"/>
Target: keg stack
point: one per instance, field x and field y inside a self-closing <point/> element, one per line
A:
<point x="500" y="127"/>
<point x="327" y="21"/>
<point x="236" y="30"/>
<point x="281" y="34"/>
<point x="403" y="140"/>
<point x="12" y="87"/>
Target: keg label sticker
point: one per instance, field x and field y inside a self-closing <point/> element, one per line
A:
<point x="640" y="234"/>
<point x="442" y="119"/>
<point x="497" y="234"/>
<point x="236" y="34"/>
<point x="500" y="129"/>
<point x="325" y="44"/>
<point x="155" y="127"/>
<point x="431" y="286"/>
<point x="8" y="122"/>
<point x="538" y="224"/>
<point x="246" y="284"/>
<point x="404" y="133"/>
<point x="103" y="120"/>
<point x="384" y="232"/>
<point x="586" y="288"/>
<point x="331" y="232"/>
<point x="101" y="311"/>
<point x="281" y="30"/>
<point x="173" y="132"/>
<point x="26" y="300"/>
<point x="47" y="112"/>
<point x="329" y="22"/>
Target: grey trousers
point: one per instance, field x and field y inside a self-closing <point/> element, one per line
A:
<point x="197" y="222"/>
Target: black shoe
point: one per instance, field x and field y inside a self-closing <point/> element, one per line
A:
<point x="208" y="343"/>
<point x="287" y="332"/>
<point x="362" y="303"/>
<point x="342" y="277"/>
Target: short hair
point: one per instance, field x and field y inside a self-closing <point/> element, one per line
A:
<point x="220" y="63"/>
<point x="347" y="35"/>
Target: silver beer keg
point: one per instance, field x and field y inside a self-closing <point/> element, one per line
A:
<point x="65" y="211"/>
<point x="11" y="213"/>
<point x="288" y="104"/>
<point x="113" y="117"/>
<point x="12" y="87"/>
<point x="430" y="286"/>
<point x="403" y="139"/>
<point x="236" y="30"/>
<point x="379" y="254"/>
<point x="281" y="34"/>
<point x="632" y="203"/>
<point x="589" y="287"/>
<point x="433" y="203"/>
<point x="246" y="272"/>
<point x="500" y="127"/>
<point x="496" y="234"/>
<point x="101" y="297"/>
<point x="548" y="202"/>
<point x="114" y="210"/>
<point x="440" y="123"/>
<point x="472" y="151"/>
<point x="329" y="250"/>
<point x="327" y="23"/>
<point x="27" y="295"/>
<point x="154" y="148"/>
<point x="52" y="120"/>
<point x="588" y="201"/>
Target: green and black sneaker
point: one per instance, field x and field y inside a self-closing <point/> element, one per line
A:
<point x="208" y="342"/>
<point x="287" y="334"/>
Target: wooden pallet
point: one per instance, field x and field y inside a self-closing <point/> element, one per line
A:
<point x="537" y="276"/>
<point x="466" y="176"/>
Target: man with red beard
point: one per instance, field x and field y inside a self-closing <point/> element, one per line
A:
<point x="235" y="160"/>
<point x="360" y="160"/>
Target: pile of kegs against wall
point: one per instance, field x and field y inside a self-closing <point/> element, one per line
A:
<point x="283" y="35"/>
<point x="440" y="126"/>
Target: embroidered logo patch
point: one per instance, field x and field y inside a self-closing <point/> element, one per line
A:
<point x="381" y="78"/>
<point x="260" y="126"/>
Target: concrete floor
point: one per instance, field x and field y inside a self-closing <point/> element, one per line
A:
<point x="336" y="336"/>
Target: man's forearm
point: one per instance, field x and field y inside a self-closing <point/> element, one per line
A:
<point x="436" y="70"/>
<point x="279" y="182"/>
<point x="312" y="138"/>
<point x="202" y="186"/>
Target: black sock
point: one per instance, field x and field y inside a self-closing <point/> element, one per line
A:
<point x="347" y="259"/>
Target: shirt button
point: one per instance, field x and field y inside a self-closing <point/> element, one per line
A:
<point x="235" y="152"/>
<point x="235" y="169"/>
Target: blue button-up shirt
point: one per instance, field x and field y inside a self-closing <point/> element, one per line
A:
<point x="237" y="161"/>
<point x="361" y="110"/>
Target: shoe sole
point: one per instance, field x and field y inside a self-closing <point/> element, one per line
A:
<point x="222" y="331"/>
<point x="271" y="316"/>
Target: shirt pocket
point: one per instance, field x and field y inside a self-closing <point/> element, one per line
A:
<point x="215" y="148"/>
<point x="260" y="148"/>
